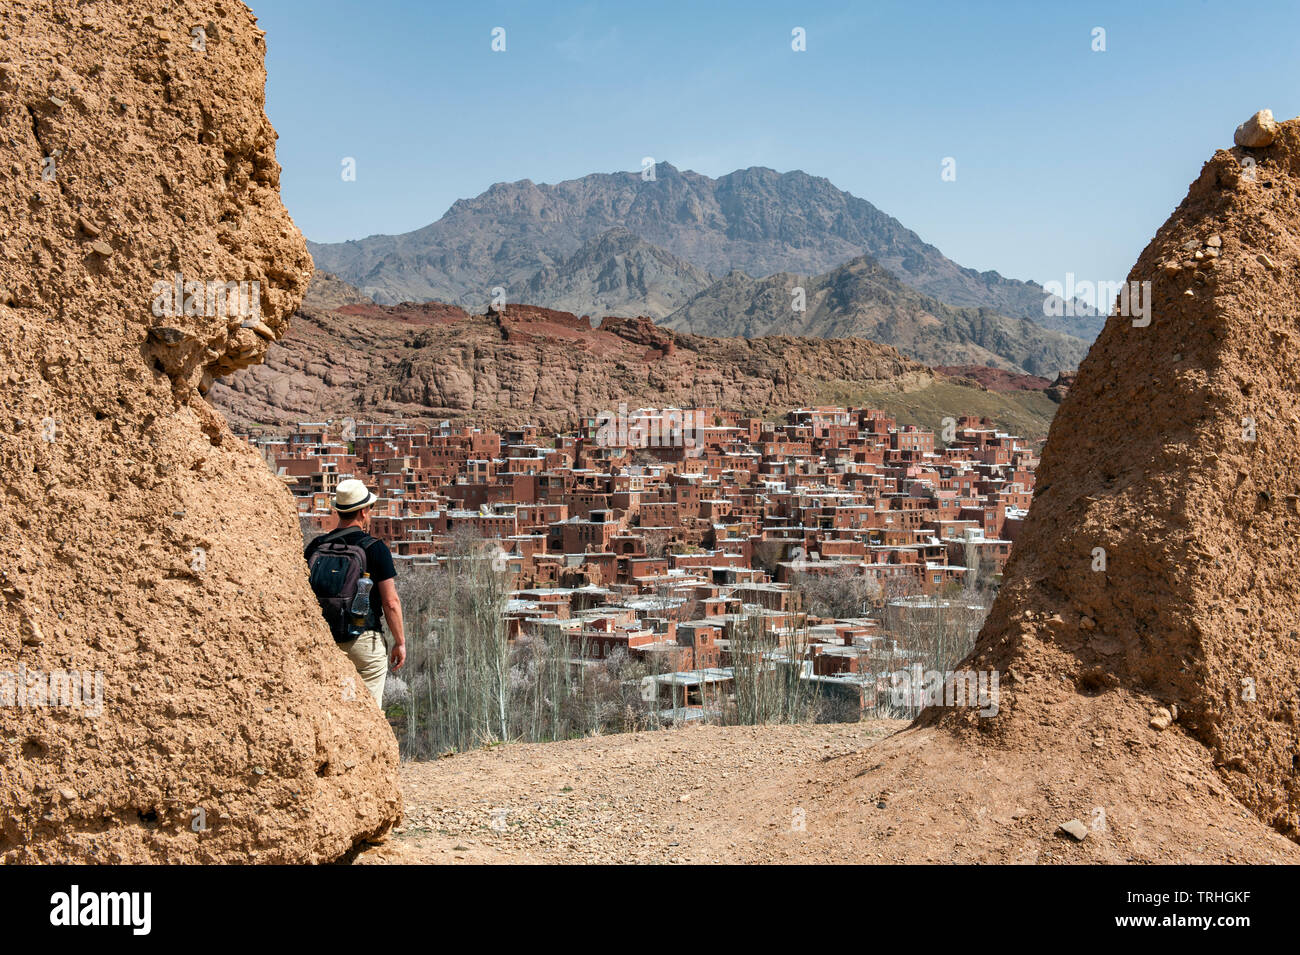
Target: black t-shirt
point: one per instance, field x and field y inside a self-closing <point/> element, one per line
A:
<point x="379" y="564"/>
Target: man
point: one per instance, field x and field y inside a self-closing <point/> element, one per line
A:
<point x="350" y="545"/>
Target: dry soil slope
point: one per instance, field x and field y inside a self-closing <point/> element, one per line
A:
<point x="137" y="537"/>
<point x="855" y="793"/>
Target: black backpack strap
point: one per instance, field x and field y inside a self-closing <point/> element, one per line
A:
<point x="326" y="538"/>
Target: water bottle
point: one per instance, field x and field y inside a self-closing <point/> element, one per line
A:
<point x="359" y="612"/>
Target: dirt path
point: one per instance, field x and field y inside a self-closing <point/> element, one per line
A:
<point x="864" y="792"/>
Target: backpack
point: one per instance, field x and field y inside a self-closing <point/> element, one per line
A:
<point x="336" y="566"/>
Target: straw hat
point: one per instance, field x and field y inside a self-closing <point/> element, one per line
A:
<point x="352" y="495"/>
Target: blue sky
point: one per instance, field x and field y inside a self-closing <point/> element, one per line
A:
<point x="1067" y="160"/>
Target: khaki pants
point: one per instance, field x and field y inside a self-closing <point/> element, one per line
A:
<point x="369" y="654"/>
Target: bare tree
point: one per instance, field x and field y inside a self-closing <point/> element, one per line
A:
<point x="768" y="684"/>
<point x="470" y="685"/>
<point x="844" y="592"/>
<point x="656" y="542"/>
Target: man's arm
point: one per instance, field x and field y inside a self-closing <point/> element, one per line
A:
<point x="388" y="599"/>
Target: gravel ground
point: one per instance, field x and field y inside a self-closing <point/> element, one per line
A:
<point x="671" y="796"/>
<point x="812" y="794"/>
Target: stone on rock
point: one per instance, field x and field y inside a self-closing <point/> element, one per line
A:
<point x="1258" y="131"/>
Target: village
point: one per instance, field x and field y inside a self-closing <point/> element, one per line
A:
<point x="857" y="549"/>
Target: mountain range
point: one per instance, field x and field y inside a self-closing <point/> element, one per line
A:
<point x="716" y="257"/>
<point x="755" y="220"/>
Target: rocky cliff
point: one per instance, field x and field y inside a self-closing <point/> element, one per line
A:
<point x="168" y="690"/>
<point x="525" y="363"/>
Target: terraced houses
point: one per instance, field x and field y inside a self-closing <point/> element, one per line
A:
<point x="658" y="532"/>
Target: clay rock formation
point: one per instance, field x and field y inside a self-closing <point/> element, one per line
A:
<point x="1157" y="579"/>
<point x="168" y="690"/>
